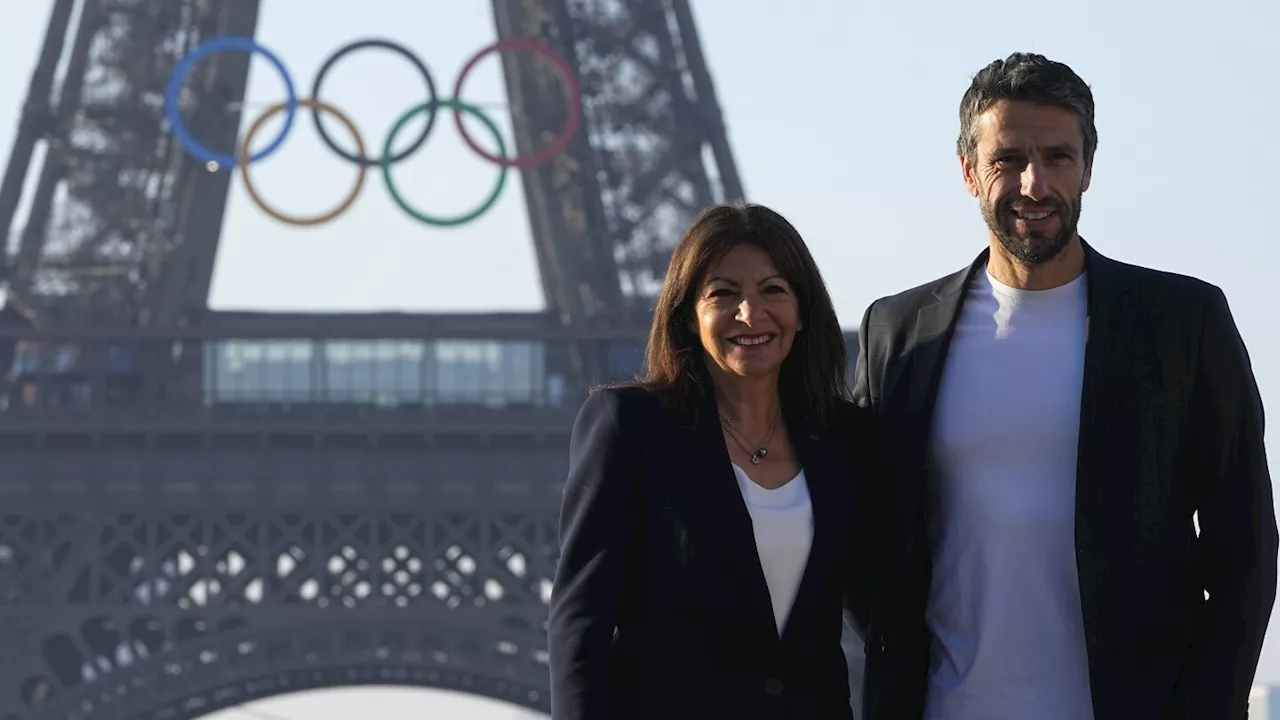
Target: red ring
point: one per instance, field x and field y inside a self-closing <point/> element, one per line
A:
<point x="573" y="102"/>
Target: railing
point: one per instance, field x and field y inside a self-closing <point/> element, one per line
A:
<point x="266" y="369"/>
<point x="225" y="375"/>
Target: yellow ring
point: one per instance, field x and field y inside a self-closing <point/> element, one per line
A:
<point x="243" y="160"/>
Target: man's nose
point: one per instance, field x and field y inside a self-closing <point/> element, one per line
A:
<point x="1035" y="182"/>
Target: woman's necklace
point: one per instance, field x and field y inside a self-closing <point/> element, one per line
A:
<point x="762" y="448"/>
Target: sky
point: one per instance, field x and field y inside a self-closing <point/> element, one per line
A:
<point x="842" y="115"/>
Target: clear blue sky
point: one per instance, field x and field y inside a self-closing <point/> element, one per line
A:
<point x="842" y="115"/>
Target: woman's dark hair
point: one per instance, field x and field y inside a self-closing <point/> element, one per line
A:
<point x="813" y="374"/>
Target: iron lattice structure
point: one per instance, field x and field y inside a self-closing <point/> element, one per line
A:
<point x="198" y="508"/>
<point x="170" y="549"/>
<point x="122" y="226"/>
<point x="338" y="599"/>
<point x="176" y="612"/>
<point x="606" y="214"/>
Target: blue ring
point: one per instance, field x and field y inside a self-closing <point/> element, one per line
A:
<point x="179" y="76"/>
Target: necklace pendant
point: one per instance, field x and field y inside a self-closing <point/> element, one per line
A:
<point x="759" y="453"/>
<point x="755" y="459"/>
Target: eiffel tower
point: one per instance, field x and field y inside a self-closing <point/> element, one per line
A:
<point x="199" y="508"/>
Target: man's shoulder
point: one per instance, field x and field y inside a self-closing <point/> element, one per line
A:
<point x="887" y="325"/>
<point x="892" y="309"/>
<point x="1176" y="288"/>
<point x="1158" y="284"/>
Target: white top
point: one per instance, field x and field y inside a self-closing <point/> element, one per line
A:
<point x="783" y="524"/>
<point x="1004" y="605"/>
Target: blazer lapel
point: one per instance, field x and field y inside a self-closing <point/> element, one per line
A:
<point x="931" y="336"/>
<point x="926" y="355"/>
<point x="813" y="453"/>
<point x="722" y="511"/>
<point x="1107" y="334"/>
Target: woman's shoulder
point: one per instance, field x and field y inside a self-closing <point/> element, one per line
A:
<point x="623" y="411"/>
<point x="626" y="396"/>
<point x="623" y="401"/>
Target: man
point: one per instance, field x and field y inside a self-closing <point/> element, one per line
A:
<point x="1054" y="420"/>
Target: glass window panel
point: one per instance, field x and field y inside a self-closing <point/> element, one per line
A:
<point x="486" y="372"/>
<point x="385" y="372"/>
<point x="259" y="371"/>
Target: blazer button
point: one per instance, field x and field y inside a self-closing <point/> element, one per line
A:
<point x="773" y="687"/>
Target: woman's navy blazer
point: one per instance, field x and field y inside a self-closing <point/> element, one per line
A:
<point x="660" y="608"/>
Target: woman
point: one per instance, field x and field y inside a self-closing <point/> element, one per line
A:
<point x="707" y="539"/>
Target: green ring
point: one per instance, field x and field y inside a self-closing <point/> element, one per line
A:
<point x="417" y="214"/>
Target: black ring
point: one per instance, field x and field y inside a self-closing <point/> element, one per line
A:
<point x="386" y="45"/>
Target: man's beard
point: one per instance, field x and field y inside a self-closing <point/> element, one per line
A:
<point x="1036" y="248"/>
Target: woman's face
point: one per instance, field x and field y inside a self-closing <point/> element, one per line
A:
<point x="747" y="315"/>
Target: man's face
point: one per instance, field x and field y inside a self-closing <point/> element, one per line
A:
<point x="1029" y="174"/>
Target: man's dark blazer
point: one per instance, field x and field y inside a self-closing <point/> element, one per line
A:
<point x="660" y="607"/>
<point x="1171" y="424"/>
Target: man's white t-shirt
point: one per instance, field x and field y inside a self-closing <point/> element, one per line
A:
<point x="1004" y="604"/>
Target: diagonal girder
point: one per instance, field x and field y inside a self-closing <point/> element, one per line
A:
<point x="653" y="149"/>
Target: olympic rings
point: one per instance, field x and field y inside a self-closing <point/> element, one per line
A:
<point x="573" y="102"/>
<point x="219" y="44"/>
<point x="458" y="107"/>
<point x="242" y="158"/>
<point x="386" y="45"/>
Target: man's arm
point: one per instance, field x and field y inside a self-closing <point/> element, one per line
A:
<point x="872" y="477"/>
<point x="861" y="377"/>
<point x="1237" y="519"/>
